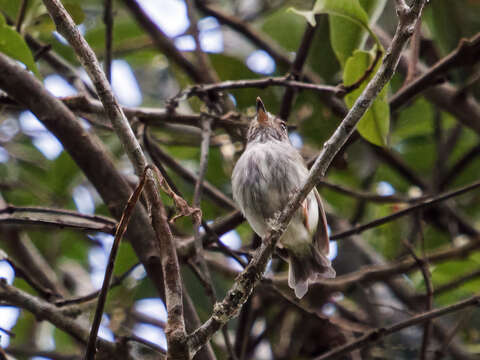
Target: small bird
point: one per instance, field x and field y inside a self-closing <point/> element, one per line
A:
<point x="269" y="171"/>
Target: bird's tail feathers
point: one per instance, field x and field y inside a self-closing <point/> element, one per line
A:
<point x="305" y="268"/>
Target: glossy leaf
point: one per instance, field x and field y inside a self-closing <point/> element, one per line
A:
<point x="347" y="36"/>
<point x="374" y="125"/>
<point x="13" y="45"/>
<point x="347" y="10"/>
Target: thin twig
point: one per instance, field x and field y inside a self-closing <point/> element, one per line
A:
<point x="46" y="311"/>
<point x="369" y="196"/>
<point x="163" y="42"/>
<point x="117" y="280"/>
<point x="439" y="354"/>
<point x="21" y="15"/>
<point x="175" y="329"/>
<point x="452" y="285"/>
<point x="459" y="166"/>
<point x="283" y="81"/>
<point x="120" y="231"/>
<point x="108" y="20"/>
<point x="159" y="156"/>
<point x="296" y="69"/>
<point x="421" y="205"/>
<point x="352" y="87"/>
<point x="466" y="53"/>
<point x="202" y="271"/>
<point x="378" y="334"/>
<point x="414" y="53"/>
<point x="427" y="278"/>
<point x="146" y="343"/>
<point x="203" y="60"/>
<point x="32" y="281"/>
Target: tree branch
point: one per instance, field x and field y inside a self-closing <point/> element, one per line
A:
<point x="378" y="334"/>
<point x="56" y="217"/>
<point x="423" y="204"/>
<point x="102" y="298"/>
<point x="467" y="53"/>
<point x="175" y="330"/>
<point x="46" y="311"/>
<point x="246" y="281"/>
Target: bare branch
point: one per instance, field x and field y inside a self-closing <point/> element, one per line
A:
<point x="378" y="334"/>
<point x="108" y="20"/>
<point x="56" y="217"/>
<point x="49" y="312"/>
<point x="102" y="298"/>
<point x="81" y="299"/>
<point x="466" y="54"/>
<point x="423" y="204"/>
<point x="296" y="69"/>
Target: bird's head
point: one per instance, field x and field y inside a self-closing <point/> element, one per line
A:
<point x="266" y="127"/>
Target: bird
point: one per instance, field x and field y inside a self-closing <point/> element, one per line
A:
<point x="264" y="178"/>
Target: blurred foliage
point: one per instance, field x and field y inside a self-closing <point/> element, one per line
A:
<point x="341" y="50"/>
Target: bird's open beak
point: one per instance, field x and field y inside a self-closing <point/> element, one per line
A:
<point x="262" y="116"/>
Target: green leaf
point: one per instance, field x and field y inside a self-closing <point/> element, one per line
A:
<point x="375" y="123"/>
<point x="347" y="19"/>
<point x="13" y="45"/>
<point x="75" y="12"/>
<point x="346" y="36"/>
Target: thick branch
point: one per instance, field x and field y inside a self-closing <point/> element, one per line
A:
<point x="172" y="279"/>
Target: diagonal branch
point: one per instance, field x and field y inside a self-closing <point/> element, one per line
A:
<point x="378" y="334"/>
<point x="467" y="53"/>
<point x="102" y="298"/>
<point x="172" y="278"/>
<point x="246" y="281"/>
<point x="424" y="204"/>
<point x="46" y="311"/>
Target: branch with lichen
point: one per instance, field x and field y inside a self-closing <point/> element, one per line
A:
<point x="246" y="281"/>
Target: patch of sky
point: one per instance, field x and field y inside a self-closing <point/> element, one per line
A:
<point x="296" y="140"/>
<point x="185" y="43"/>
<point x="151" y="333"/>
<point x="261" y="62"/>
<point x="83" y="200"/>
<point x="124" y="84"/>
<point x="8" y="315"/>
<point x="169" y="15"/>
<point x="3" y="155"/>
<point x="58" y="86"/>
<point x="8" y="129"/>
<point x="385" y="189"/>
<point x="210" y="34"/>
<point x="333" y="246"/>
<point x="211" y="37"/>
<point x="154" y="308"/>
<point x="104" y="331"/>
<point x="42" y="139"/>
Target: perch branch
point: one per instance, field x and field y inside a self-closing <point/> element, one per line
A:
<point x="244" y="284"/>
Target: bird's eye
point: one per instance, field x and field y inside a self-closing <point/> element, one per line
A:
<point x="283" y="125"/>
